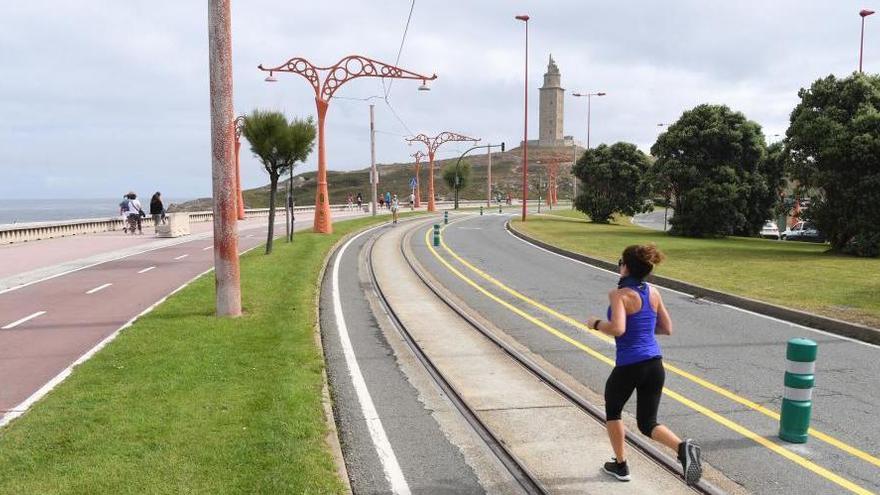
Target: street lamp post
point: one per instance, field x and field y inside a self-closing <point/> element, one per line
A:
<point x="589" y="109"/>
<point x="226" y="266"/>
<point x="458" y="163"/>
<point x="326" y="81"/>
<point x="418" y="155"/>
<point x="432" y="143"/>
<point x="863" y="13"/>
<point x="525" y="144"/>
<point x="239" y="126"/>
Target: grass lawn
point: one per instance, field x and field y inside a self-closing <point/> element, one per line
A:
<point x="794" y="274"/>
<point x="182" y="402"/>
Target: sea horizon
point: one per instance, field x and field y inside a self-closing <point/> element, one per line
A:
<point x="15" y="211"/>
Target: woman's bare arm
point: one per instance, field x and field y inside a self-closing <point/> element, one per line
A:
<point x="664" y="322"/>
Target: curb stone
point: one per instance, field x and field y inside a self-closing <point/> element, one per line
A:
<point x="831" y="325"/>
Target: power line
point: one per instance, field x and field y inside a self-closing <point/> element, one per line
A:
<point x="412" y="6"/>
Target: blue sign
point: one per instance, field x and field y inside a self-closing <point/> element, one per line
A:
<point x="412" y="183"/>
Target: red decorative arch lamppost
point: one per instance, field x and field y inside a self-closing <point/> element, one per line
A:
<point x="418" y="155"/>
<point x="326" y="81"/>
<point x="432" y="143"/>
<point x="239" y="125"/>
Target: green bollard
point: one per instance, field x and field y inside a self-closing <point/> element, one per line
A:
<point x="499" y="207"/>
<point x="481" y="211"/>
<point x="797" y="400"/>
<point x="436" y="234"/>
<point x="445" y="217"/>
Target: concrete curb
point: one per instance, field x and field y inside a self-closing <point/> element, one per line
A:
<point x="831" y="325"/>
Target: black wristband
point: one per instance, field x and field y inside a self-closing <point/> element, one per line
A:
<point x="596" y="325"/>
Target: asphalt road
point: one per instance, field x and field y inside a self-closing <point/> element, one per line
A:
<point x="428" y="462"/>
<point x="740" y="353"/>
<point x="46" y="326"/>
<point x="653" y="220"/>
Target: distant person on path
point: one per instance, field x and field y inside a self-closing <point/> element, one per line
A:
<point x="395" y="206"/>
<point x="636" y="314"/>
<point x="123" y="212"/>
<point x="135" y="213"/>
<point x="412" y="201"/>
<point x="509" y="199"/>
<point x="387" y="199"/>
<point x="157" y="211"/>
<point x="350" y="203"/>
<point x="381" y="202"/>
<point x="360" y="202"/>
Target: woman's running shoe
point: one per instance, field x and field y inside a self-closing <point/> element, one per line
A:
<point x="617" y="469"/>
<point x="691" y="465"/>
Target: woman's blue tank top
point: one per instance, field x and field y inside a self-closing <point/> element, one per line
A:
<point x="638" y="343"/>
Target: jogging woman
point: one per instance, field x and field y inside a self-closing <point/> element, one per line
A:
<point x="635" y="314"/>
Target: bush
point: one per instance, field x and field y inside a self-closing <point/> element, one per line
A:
<point x="614" y="180"/>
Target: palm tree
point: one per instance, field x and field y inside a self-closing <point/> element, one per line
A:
<point x="279" y="145"/>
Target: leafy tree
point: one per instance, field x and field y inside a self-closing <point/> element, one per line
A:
<point x="834" y="143"/>
<point x="712" y="162"/>
<point x="279" y="145"/>
<point x="613" y="180"/>
<point x="457" y="177"/>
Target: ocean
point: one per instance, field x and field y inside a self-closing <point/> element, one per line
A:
<point x="43" y="210"/>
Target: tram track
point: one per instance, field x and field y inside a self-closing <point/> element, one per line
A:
<point x="517" y="470"/>
<point x="526" y="480"/>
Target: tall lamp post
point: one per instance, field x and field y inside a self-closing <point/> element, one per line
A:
<point x="525" y="143"/>
<point x="239" y="126"/>
<point x="863" y="13"/>
<point x="458" y="164"/>
<point x="226" y="267"/>
<point x="589" y="108"/>
<point x="418" y="155"/>
<point x="432" y="143"/>
<point x="326" y="81"/>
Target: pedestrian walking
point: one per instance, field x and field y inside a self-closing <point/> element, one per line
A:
<point x="395" y="206"/>
<point x="387" y="199"/>
<point x="135" y="214"/>
<point x="350" y="203"/>
<point x="636" y="314"/>
<point x="123" y="212"/>
<point x="360" y="202"/>
<point x="157" y="211"/>
<point x="412" y="201"/>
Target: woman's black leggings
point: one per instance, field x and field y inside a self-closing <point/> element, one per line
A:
<point x="647" y="378"/>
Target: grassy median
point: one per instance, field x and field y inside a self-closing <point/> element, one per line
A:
<point x="794" y="274"/>
<point x="182" y="402"/>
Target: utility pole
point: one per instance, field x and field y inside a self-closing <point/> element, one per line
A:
<point x="374" y="174"/>
<point x="489" y="180"/>
<point x="226" y="268"/>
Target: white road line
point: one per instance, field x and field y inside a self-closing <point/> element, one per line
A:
<point x="100" y="287"/>
<point x="207" y="248"/>
<point x="22" y="408"/>
<point x="249" y="235"/>
<point x="145" y="270"/>
<point x="182" y="256"/>
<point x="393" y="473"/>
<point x="26" y="318"/>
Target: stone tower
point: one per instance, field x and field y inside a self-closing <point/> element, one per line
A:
<point x="550" y="122"/>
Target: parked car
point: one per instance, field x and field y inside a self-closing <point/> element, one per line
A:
<point x="770" y="231"/>
<point x="803" y="231"/>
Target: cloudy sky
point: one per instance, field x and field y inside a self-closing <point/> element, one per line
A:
<point x="101" y="96"/>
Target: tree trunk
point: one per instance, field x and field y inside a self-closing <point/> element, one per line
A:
<point x="273" y="188"/>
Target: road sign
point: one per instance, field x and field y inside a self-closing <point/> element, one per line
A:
<point x="412" y="183"/>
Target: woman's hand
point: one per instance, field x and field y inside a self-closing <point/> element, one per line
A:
<point x="591" y="322"/>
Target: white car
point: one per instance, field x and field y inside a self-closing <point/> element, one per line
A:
<point x="770" y="231"/>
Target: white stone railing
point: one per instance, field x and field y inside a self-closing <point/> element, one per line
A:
<point x="34" y="231"/>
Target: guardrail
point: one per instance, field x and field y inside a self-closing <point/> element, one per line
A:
<point x="34" y="231"/>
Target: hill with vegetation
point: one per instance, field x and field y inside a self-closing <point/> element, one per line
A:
<point x="395" y="178"/>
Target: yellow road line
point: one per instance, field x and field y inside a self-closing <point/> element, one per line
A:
<point x="801" y="461"/>
<point x="849" y="449"/>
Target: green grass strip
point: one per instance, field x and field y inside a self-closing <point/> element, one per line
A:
<point x="794" y="274"/>
<point x="183" y="402"/>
